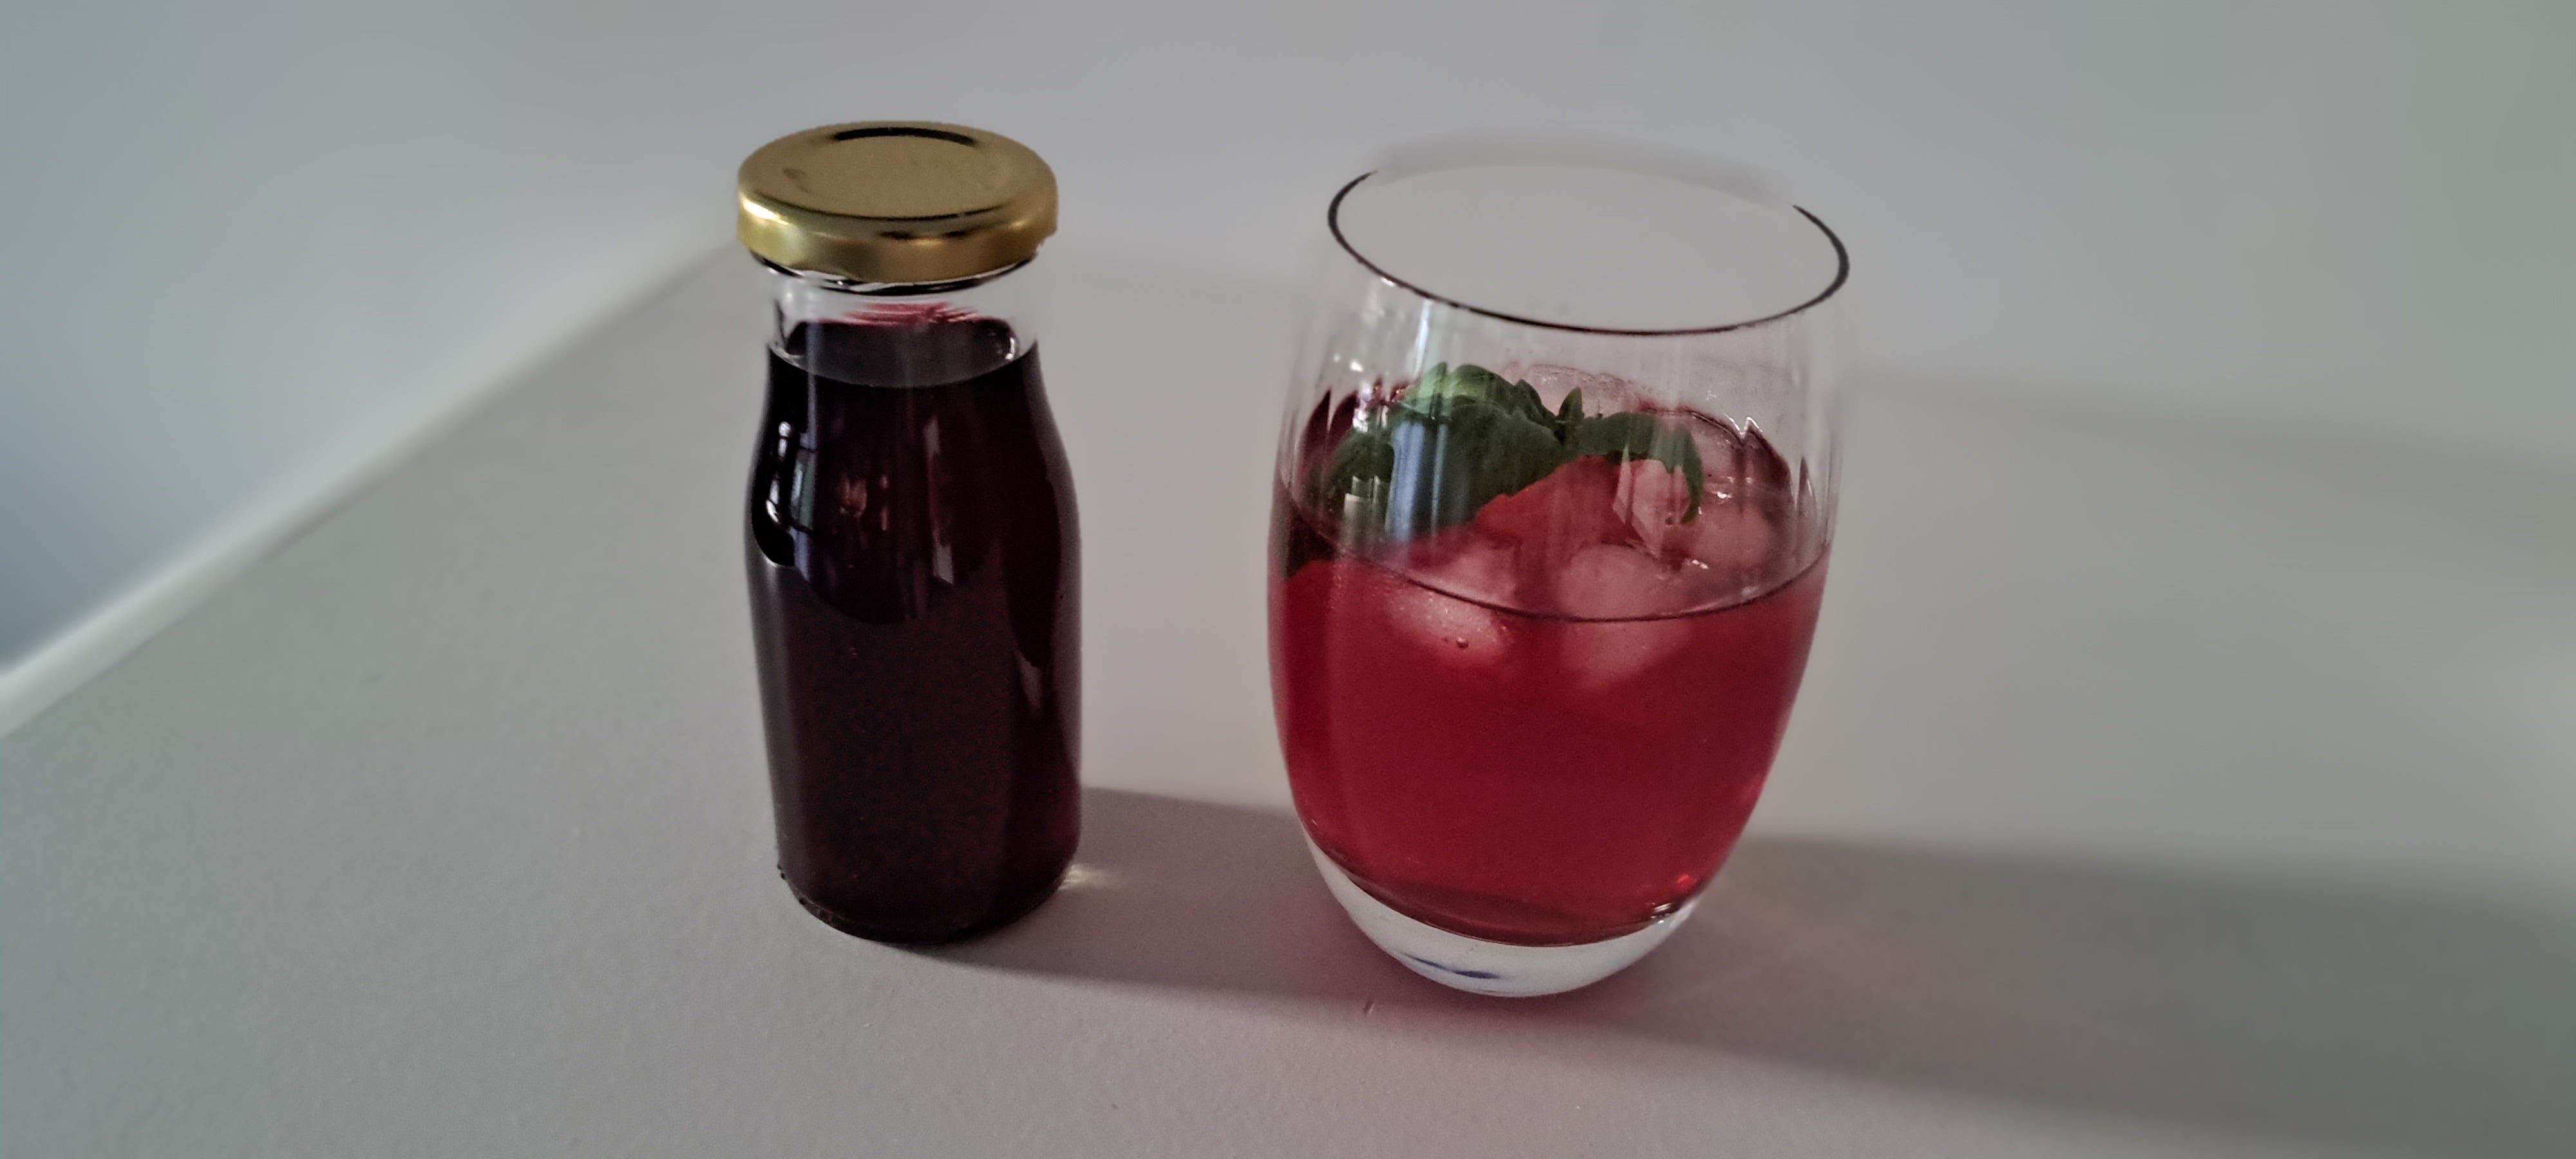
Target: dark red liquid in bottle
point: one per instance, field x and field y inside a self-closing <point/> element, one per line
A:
<point x="913" y="592"/>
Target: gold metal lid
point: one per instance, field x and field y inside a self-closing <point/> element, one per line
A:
<point x="895" y="201"/>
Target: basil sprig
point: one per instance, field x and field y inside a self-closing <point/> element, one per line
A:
<point x="1458" y="438"/>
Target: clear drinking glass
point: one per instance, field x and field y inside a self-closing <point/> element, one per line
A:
<point x="1555" y="492"/>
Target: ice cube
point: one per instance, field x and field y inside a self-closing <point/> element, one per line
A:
<point x="1458" y="633"/>
<point x="1653" y="500"/>
<point x="1615" y="582"/>
<point x="1718" y="442"/>
<point x="1745" y="466"/>
<point x="1571" y="508"/>
<point x="1602" y="393"/>
<point x="1729" y="539"/>
<point x="1608" y="588"/>
<point x="1463" y="562"/>
<point x="1605" y="655"/>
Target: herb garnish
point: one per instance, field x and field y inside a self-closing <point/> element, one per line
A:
<point x="1457" y="438"/>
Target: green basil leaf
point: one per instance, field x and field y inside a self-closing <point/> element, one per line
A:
<point x="1642" y="435"/>
<point x="1442" y="387"/>
<point x="1522" y="399"/>
<point x="1409" y="474"/>
<point x="1358" y="468"/>
<point x="1459" y="437"/>
<point x="1446" y="469"/>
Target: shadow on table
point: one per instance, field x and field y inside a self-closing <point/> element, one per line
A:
<point x="2308" y="1012"/>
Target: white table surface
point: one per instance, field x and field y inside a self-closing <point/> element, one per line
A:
<point x="2156" y="790"/>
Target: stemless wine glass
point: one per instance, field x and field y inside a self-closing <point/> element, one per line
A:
<point x="1555" y="492"/>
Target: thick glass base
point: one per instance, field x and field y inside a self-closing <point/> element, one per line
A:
<point x="1482" y="967"/>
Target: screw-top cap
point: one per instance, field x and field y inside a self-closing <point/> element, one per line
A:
<point x="895" y="201"/>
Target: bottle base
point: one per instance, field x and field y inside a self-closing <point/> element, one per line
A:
<point x="1478" y="966"/>
<point x="908" y="937"/>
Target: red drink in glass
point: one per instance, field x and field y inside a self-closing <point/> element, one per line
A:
<point x="1556" y="486"/>
<point x="1547" y="726"/>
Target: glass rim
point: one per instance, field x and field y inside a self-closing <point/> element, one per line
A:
<point x="1689" y="168"/>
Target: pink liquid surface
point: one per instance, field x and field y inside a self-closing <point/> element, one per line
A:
<point x="1548" y="726"/>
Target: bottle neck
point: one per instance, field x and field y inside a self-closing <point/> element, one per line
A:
<point x="1009" y="296"/>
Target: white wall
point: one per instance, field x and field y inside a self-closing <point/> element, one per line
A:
<point x="245" y="243"/>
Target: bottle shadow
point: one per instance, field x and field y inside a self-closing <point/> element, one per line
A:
<point x="2293" y="1009"/>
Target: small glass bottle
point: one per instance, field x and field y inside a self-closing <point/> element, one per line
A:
<point x="910" y="532"/>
